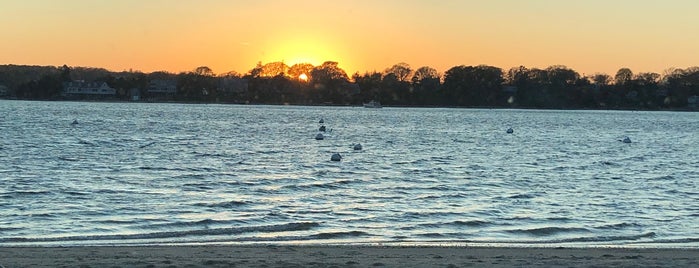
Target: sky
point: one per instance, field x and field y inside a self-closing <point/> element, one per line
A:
<point x="589" y="36"/>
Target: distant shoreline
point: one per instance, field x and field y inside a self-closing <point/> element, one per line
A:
<point x="384" y="106"/>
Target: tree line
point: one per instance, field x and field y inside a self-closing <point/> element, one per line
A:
<point x="557" y="86"/>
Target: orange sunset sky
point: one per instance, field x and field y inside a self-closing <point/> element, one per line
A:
<point x="362" y="35"/>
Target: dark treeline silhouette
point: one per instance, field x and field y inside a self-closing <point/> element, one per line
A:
<point x="555" y="87"/>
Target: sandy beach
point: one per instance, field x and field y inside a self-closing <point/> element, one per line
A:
<point x="342" y="256"/>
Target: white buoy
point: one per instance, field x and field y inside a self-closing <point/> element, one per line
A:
<point x="626" y="140"/>
<point x="320" y="136"/>
<point x="357" y="147"/>
<point x="336" y="157"/>
<point x="510" y="130"/>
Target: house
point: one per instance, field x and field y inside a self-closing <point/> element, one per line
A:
<point x="87" y="89"/>
<point x="162" y="87"/>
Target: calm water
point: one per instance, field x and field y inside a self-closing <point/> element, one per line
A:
<point x="145" y="173"/>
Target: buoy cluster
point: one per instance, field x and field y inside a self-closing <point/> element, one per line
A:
<point x="321" y="136"/>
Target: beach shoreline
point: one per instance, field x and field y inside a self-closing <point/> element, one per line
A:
<point x="343" y="256"/>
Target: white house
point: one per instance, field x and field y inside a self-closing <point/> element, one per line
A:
<point x="82" y="88"/>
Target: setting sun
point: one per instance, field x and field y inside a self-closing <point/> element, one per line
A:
<point x="303" y="77"/>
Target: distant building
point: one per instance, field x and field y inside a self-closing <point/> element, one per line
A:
<point x="87" y="89"/>
<point x="160" y="86"/>
<point x="693" y="102"/>
<point x="161" y="89"/>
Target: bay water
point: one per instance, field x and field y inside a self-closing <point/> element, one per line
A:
<point x="166" y="173"/>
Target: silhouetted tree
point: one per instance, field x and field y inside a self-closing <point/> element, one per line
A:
<point x="370" y="83"/>
<point x="392" y="90"/>
<point x="563" y="83"/>
<point x="554" y="87"/>
<point x="65" y="74"/>
<point x="198" y="85"/>
<point x="257" y="71"/>
<point x="473" y="86"/>
<point x="296" y="70"/>
<point x="327" y="80"/>
<point x="424" y="73"/>
<point x="601" y="79"/>
<point x="561" y="76"/>
<point x="623" y="76"/>
<point x="401" y="71"/>
<point x="426" y="84"/>
<point x="273" y="69"/>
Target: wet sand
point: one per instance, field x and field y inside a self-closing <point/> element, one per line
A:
<point x="342" y="256"/>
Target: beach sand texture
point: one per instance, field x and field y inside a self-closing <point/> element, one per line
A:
<point x="342" y="256"/>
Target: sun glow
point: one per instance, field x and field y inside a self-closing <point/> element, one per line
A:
<point x="303" y="77"/>
<point x="299" y="48"/>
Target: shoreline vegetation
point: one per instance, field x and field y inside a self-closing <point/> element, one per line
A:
<point x="482" y="86"/>
<point x="343" y="256"/>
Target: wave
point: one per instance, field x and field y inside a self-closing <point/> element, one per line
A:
<point x="429" y="214"/>
<point x="472" y="223"/>
<point x="297" y="226"/>
<point x="8" y="229"/>
<point x="320" y="236"/>
<point x="119" y="222"/>
<point x="522" y="196"/>
<point x="197" y="186"/>
<point x="664" y="178"/>
<point x="675" y="241"/>
<point x="431" y="235"/>
<point x="443" y="196"/>
<point x="69" y="158"/>
<point x="617" y="226"/>
<point x="200" y="223"/>
<point x="627" y="239"/>
<point x="86" y="142"/>
<point x="335" y="184"/>
<point x="335" y="235"/>
<point x="30" y="193"/>
<point x="547" y="231"/>
<point x="197" y="169"/>
<point x="228" y="204"/>
<point x="458" y="223"/>
<point x="609" y="238"/>
<point x="146" y="145"/>
<point x="560" y="219"/>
